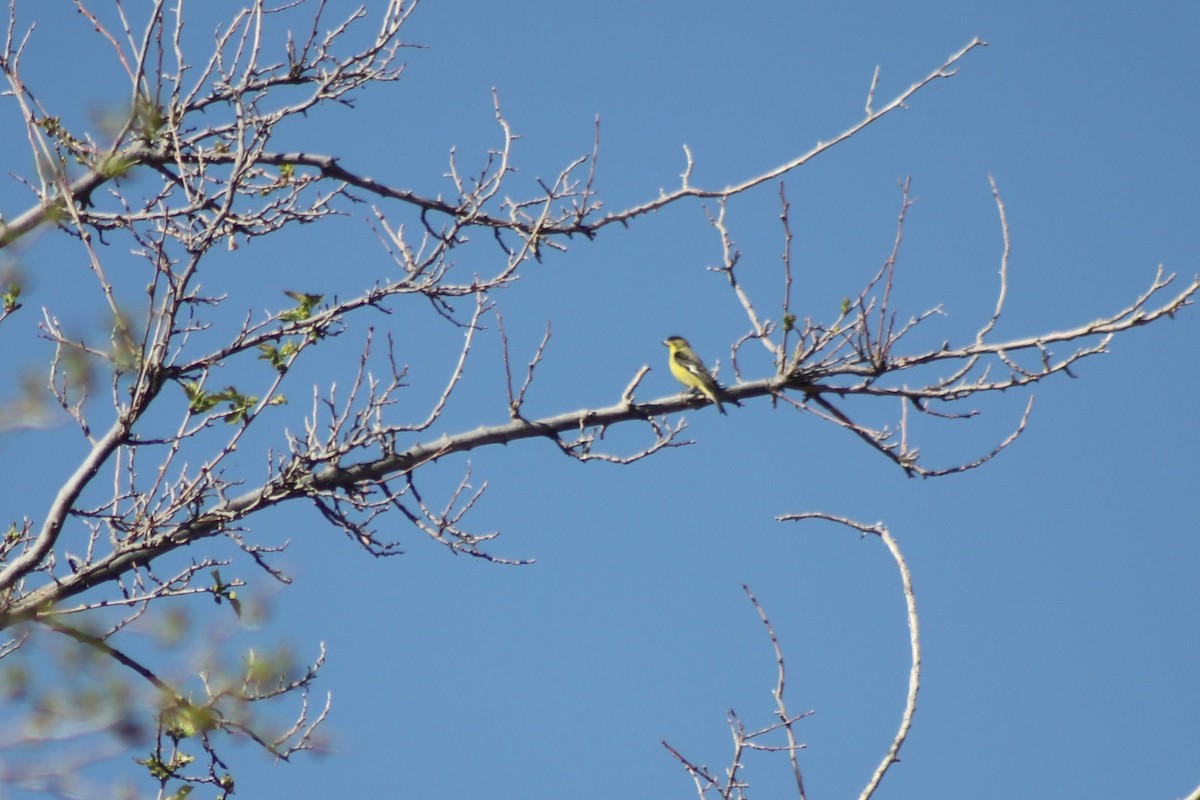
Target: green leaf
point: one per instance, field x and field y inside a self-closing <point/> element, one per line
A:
<point x="154" y="765"/>
<point x="148" y="118"/>
<point x="240" y="405"/>
<point x="271" y="354"/>
<point x="308" y="302"/>
<point x="279" y="357"/>
<point x="183" y="721"/>
<point x="199" y="401"/>
<point x="9" y="297"/>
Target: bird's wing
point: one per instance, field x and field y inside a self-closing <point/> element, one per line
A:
<point x="693" y="365"/>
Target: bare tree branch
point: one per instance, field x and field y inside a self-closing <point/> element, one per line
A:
<point x="159" y="474"/>
<point x="914" y="637"/>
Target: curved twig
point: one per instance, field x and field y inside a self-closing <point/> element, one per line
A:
<point x="914" y="636"/>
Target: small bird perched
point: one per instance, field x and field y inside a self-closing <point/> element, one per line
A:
<point x="689" y="370"/>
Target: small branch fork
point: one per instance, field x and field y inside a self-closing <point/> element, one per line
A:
<point x="567" y="208"/>
<point x="859" y="354"/>
<point x="732" y="784"/>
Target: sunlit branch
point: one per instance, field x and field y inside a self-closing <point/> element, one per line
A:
<point x="914" y="637"/>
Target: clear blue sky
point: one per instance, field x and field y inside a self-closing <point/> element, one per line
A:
<point x="1057" y="584"/>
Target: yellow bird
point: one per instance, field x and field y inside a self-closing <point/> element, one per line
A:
<point x="689" y="370"/>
